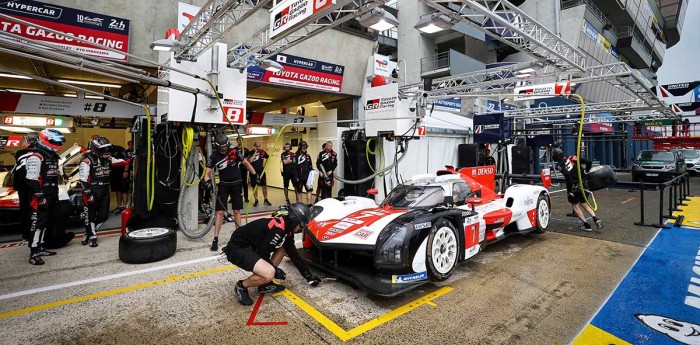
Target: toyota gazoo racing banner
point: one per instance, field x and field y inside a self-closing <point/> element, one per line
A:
<point x="11" y="141"/>
<point x="287" y="14"/>
<point x="523" y="93"/>
<point x="301" y="73"/>
<point x="109" y="31"/>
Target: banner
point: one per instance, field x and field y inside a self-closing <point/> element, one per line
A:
<point x="383" y="65"/>
<point x="106" y="30"/>
<point x="490" y="128"/>
<point x="288" y="13"/>
<point x="497" y="107"/>
<point x="542" y="91"/>
<point x="185" y="14"/>
<point x="697" y="94"/>
<point x="39" y="104"/>
<point x="10" y="141"/>
<point x="678" y="89"/>
<point x="449" y="104"/>
<point x="279" y="120"/>
<point x="301" y="73"/>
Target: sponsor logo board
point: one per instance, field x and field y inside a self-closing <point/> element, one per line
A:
<point x="409" y="278"/>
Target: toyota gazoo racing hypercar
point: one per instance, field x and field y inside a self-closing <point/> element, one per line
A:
<point x="421" y="230"/>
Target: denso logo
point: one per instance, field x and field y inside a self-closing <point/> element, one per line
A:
<point x="484" y="171"/>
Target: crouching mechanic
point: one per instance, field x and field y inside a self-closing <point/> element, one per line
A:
<point x="94" y="172"/>
<point x="567" y="166"/>
<point x="42" y="175"/>
<point x="259" y="247"/>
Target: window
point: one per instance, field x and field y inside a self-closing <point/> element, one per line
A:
<point x="460" y="193"/>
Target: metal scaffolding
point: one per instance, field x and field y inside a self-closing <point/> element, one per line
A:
<point x="591" y="108"/>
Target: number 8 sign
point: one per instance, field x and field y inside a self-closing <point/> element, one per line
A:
<point x="234" y="115"/>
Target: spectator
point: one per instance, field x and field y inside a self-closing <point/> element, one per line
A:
<point x="674" y="128"/>
<point x="685" y="129"/>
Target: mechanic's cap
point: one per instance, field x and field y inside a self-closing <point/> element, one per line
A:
<point x="299" y="212"/>
<point x="557" y="154"/>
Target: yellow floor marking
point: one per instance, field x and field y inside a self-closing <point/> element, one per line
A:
<point x="367" y="326"/>
<point x="628" y="200"/>
<point x="593" y="335"/>
<point x="691" y="213"/>
<point x="431" y="304"/>
<point x="112" y="292"/>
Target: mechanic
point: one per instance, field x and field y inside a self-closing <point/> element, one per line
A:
<point x="244" y="170"/>
<point x="225" y="159"/>
<point x="42" y="186"/>
<point x="567" y="166"/>
<point x="287" y="158"/>
<point x="95" y="171"/>
<point x="118" y="179"/>
<point x="326" y="162"/>
<point x="260" y="245"/>
<point x="257" y="160"/>
<point x="303" y="166"/>
<point x="19" y="183"/>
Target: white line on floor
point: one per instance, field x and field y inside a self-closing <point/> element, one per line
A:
<point x="103" y="278"/>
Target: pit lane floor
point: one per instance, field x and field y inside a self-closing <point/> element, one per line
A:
<point x="534" y="289"/>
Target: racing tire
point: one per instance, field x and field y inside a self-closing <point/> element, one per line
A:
<point x="601" y="177"/>
<point x="147" y="245"/>
<point x="543" y="213"/>
<point x="442" y="252"/>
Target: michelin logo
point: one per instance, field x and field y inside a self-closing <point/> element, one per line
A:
<point x="409" y="278"/>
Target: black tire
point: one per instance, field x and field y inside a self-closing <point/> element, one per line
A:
<point x="147" y="245"/>
<point x="448" y="254"/>
<point x="542" y="223"/>
<point x="601" y="177"/>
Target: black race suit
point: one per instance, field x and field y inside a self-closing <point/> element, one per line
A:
<point x="326" y="162"/>
<point x="230" y="184"/>
<point x="42" y="183"/>
<point x="287" y="169"/>
<point x="244" y="174"/>
<point x="19" y="172"/>
<point x="567" y="167"/>
<point x="302" y="168"/>
<point x="256" y="159"/>
<point x="95" y="176"/>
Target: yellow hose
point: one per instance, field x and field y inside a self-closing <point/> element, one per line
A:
<point x="578" y="153"/>
<point x="381" y="158"/>
<point x="187" y="141"/>
<point x="150" y="172"/>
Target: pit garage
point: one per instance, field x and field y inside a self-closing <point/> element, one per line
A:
<point x="450" y="217"/>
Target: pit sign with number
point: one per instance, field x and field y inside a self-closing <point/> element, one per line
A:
<point x="235" y="115"/>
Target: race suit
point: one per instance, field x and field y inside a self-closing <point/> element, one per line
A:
<point x="94" y="173"/>
<point x="229" y="178"/>
<point x="244" y="173"/>
<point x="42" y="187"/>
<point x="326" y="163"/>
<point x="19" y="172"/>
<point x="567" y="167"/>
<point x="302" y="168"/>
<point x="287" y="169"/>
<point x="256" y="159"/>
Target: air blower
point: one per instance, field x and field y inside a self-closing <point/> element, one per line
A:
<point x="601" y="177"/>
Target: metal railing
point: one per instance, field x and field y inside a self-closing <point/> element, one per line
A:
<point x="435" y="62"/>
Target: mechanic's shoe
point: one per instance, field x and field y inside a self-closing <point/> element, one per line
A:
<point x="288" y="203"/>
<point x="214" y="245"/>
<point x="36" y="260"/>
<point x="598" y="223"/>
<point x="246" y="200"/>
<point x="85" y="240"/>
<point x="585" y="227"/>
<point x="119" y="210"/>
<point x="256" y="203"/>
<point x="270" y="288"/>
<point x="242" y="294"/>
<point x="93" y="242"/>
<point x="229" y="218"/>
<point x="267" y="203"/>
<point x="44" y="252"/>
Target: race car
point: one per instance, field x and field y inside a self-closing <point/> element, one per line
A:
<point x="421" y="230"/>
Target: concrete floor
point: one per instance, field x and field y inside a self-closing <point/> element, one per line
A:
<point x="535" y="289"/>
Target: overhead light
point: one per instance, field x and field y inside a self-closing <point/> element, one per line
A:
<point x="435" y="22"/>
<point x="17" y="129"/>
<point x="378" y="19"/>
<point x="165" y="44"/>
<point x="14" y="76"/>
<point x="72" y="95"/>
<point x="259" y="100"/>
<point x="90" y="83"/>
<point x="260" y="130"/>
<point x="269" y="65"/>
<point x="27" y="91"/>
<point x="528" y="71"/>
<point x="63" y="130"/>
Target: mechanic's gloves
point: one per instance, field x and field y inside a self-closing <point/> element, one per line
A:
<point x="87" y="196"/>
<point x="312" y="279"/>
<point x="258" y="180"/>
<point x="40" y="199"/>
<point x="209" y="184"/>
<point x="279" y="274"/>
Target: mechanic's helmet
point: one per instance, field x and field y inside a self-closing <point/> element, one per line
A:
<point x="100" y="146"/>
<point x="303" y="145"/>
<point x="557" y="154"/>
<point x="50" y="139"/>
<point x="221" y="142"/>
<point x="299" y="213"/>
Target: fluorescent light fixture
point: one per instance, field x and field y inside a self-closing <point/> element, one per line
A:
<point x="378" y="19"/>
<point x="90" y="83"/>
<point x="63" y="130"/>
<point x="269" y="65"/>
<point x="14" y="76"/>
<point x="259" y="100"/>
<point x="17" y="129"/>
<point x="435" y="22"/>
<point x="72" y="95"/>
<point x="260" y="130"/>
<point x="27" y="91"/>
<point x="165" y="44"/>
<point x="525" y="71"/>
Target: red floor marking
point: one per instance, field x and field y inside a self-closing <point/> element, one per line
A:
<point x="251" y="320"/>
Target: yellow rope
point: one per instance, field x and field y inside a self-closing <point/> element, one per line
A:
<point x="578" y="153"/>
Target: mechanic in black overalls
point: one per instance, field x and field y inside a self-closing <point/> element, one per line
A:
<point x="257" y="157"/>
<point x="302" y="168"/>
<point x="326" y="162"/>
<point x="260" y="245"/>
<point x="244" y="170"/>
<point x="566" y="165"/>
<point x="42" y="185"/>
<point x="19" y="183"/>
<point x="287" y="158"/>
<point x="225" y="159"/>
<point x="94" y="172"/>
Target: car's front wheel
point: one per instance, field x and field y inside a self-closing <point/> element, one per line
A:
<point x="543" y="212"/>
<point x="442" y="250"/>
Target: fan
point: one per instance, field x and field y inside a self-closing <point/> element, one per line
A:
<point x="132" y="92"/>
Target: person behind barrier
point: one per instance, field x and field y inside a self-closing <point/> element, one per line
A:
<point x="287" y="158"/>
<point x="42" y="175"/>
<point x="95" y="177"/>
<point x="244" y="170"/>
<point x="257" y="160"/>
<point x="19" y="182"/>
<point x="259" y="247"/>
<point x="685" y="127"/>
<point x="326" y="162"/>
<point x="225" y="159"/>
<point x="303" y="166"/>
<point x="567" y="166"/>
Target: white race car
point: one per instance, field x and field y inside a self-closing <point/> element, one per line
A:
<point x="421" y="230"/>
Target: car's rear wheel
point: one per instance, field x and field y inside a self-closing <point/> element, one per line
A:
<point x="543" y="212"/>
<point x="442" y="250"/>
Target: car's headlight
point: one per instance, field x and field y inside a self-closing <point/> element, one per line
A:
<point x="390" y="244"/>
<point x="315" y="211"/>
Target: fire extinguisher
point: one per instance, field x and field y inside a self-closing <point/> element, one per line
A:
<point x="125" y="218"/>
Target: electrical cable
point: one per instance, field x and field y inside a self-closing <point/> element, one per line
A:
<point x="578" y="153"/>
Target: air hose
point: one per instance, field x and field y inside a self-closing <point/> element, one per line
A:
<point x="379" y="150"/>
<point x="578" y="153"/>
<point x="188" y="142"/>
<point x="150" y="171"/>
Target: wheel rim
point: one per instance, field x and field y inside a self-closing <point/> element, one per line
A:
<point x="444" y="249"/>
<point x="543" y="214"/>
<point x="146" y="233"/>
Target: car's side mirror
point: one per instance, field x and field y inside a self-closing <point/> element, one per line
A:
<point x="473" y="200"/>
<point x="372" y="191"/>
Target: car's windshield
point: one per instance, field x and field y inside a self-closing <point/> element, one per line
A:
<point x="6" y="178"/>
<point x="691" y="154"/>
<point x="408" y="197"/>
<point x="664" y="156"/>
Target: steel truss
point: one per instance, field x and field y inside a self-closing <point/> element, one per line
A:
<point x="216" y="19"/>
<point x="261" y="46"/>
<point x="591" y="108"/>
<point x="614" y="119"/>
